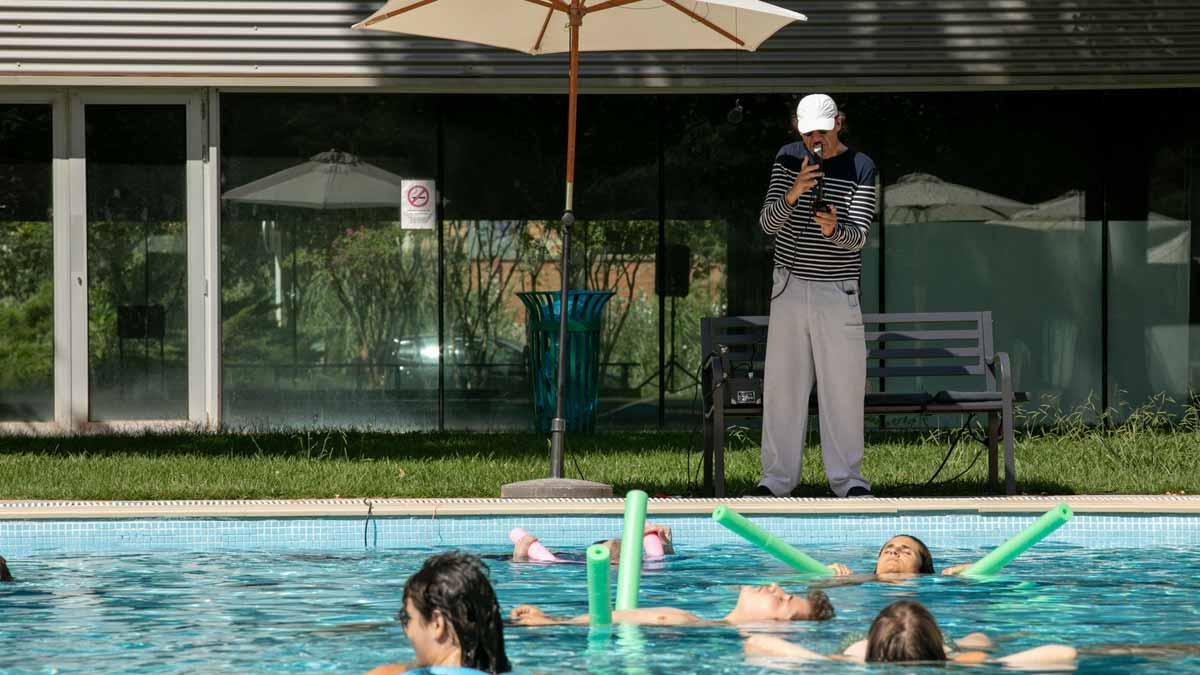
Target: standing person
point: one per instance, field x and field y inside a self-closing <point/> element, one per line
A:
<point x="819" y="208"/>
<point x="452" y="619"/>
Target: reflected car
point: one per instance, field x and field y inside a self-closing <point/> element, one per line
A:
<point x="416" y="359"/>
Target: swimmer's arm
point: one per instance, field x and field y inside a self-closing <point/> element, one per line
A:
<point x="1041" y="656"/>
<point x="529" y="615"/>
<point x="769" y="645"/>
<point x="954" y="570"/>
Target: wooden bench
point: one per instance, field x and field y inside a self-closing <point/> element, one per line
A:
<point x="900" y="347"/>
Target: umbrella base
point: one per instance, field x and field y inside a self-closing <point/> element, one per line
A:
<point x="555" y="488"/>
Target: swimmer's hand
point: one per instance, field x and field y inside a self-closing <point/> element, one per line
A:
<point x="840" y="570"/>
<point x="955" y="569"/>
<point x="528" y="615"/>
<point x="769" y="645"/>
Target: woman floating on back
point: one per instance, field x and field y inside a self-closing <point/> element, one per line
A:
<point x="905" y="632"/>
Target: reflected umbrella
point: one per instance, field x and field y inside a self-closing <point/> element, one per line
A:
<point x="328" y="181"/>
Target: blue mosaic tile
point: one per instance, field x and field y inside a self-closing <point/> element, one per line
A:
<point x="22" y="537"/>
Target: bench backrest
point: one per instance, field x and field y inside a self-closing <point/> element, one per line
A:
<point x="929" y="344"/>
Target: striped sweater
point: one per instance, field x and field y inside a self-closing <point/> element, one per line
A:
<point x="800" y="247"/>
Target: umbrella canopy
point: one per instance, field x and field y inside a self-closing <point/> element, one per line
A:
<point x="328" y="180"/>
<point x="925" y="198"/>
<point x="531" y="26"/>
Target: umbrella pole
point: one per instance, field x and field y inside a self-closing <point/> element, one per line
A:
<point x="558" y="426"/>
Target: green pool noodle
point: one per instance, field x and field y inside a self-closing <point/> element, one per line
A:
<point x="1015" y="546"/>
<point x="599" y="603"/>
<point x="629" y="572"/>
<point x="754" y="534"/>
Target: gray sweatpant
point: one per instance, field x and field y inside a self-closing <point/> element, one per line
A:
<point x="815" y="334"/>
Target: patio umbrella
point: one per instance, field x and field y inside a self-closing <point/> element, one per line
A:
<point x="925" y="198"/>
<point x="328" y="180"/>
<point x="537" y="27"/>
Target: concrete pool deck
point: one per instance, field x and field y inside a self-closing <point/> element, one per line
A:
<point x="308" y="508"/>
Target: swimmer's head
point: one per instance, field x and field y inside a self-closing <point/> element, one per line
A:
<point x="449" y="604"/>
<point x="771" y="603"/>
<point x="5" y="575"/>
<point x="904" y="554"/>
<point x="905" y="631"/>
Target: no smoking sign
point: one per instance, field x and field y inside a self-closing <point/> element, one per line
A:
<point x="418" y="211"/>
<point x="418" y="196"/>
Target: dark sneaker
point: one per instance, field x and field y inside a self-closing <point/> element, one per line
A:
<point x="858" y="491"/>
<point x="762" y="491"/>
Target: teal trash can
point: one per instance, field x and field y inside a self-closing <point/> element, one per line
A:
<point x="585" y="309"/>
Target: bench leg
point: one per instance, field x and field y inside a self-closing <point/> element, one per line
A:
<point x="718" y="455"/>
<point x="708" y="457"/>
<point x="993" y="444"/>
<point x="1010" y="462"/>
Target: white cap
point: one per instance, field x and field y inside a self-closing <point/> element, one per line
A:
<point x="816" y="111"/>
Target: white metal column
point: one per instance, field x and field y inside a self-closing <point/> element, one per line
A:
<point x="76" y="341"/>
<point x="212" y="259"/>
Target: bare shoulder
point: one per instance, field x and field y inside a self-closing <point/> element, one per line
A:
<point x="390" y="669"/>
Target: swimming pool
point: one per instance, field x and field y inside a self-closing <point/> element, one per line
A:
<point x="170" y="595"/>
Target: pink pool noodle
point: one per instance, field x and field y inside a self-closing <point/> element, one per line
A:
<point x="537" y="552"/>
<point x="652" y="546"/>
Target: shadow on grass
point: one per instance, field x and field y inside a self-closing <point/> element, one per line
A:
<point x="351" y="445"/>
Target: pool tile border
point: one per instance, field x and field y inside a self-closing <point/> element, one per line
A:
<point x="299" y="508"/>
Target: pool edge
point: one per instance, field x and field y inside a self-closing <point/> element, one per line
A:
<point x="300" y="508"/>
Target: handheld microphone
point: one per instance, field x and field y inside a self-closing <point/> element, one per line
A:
<point x="819" y="205"/>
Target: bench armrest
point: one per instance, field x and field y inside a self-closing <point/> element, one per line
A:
<point x="1001" y="367"/>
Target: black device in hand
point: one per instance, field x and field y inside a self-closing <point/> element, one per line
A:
<point x="819" y="205"/>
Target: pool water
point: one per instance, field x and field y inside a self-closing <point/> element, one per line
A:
<point x="244" y="611"/>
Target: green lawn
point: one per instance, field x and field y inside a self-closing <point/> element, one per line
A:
<point x="1073" y="458"/>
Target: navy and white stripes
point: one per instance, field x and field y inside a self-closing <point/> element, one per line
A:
<point x="800" y="247"/>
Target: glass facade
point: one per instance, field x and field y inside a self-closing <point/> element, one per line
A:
<point x="1071" y="225"/>
<point x="137" y="261"/>
<point x="1047" y="208"/>
<point x="26" y="264"/>
<point x="329" y="306"/>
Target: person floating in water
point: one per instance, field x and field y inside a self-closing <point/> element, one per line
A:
<point x="451" y="617"/>
<point x="754" y="604"/>
<point x="5" y="575"/>
<point x="905" y="632"/>
<point x="902" y="557"/>
<point x="522" y="553"/>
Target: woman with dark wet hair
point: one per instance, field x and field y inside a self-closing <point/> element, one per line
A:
<point x="901" y="557"/>
<point x="905" y="632"/>
<point x="452" y="619"/>
<point x="5" y="575"/>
